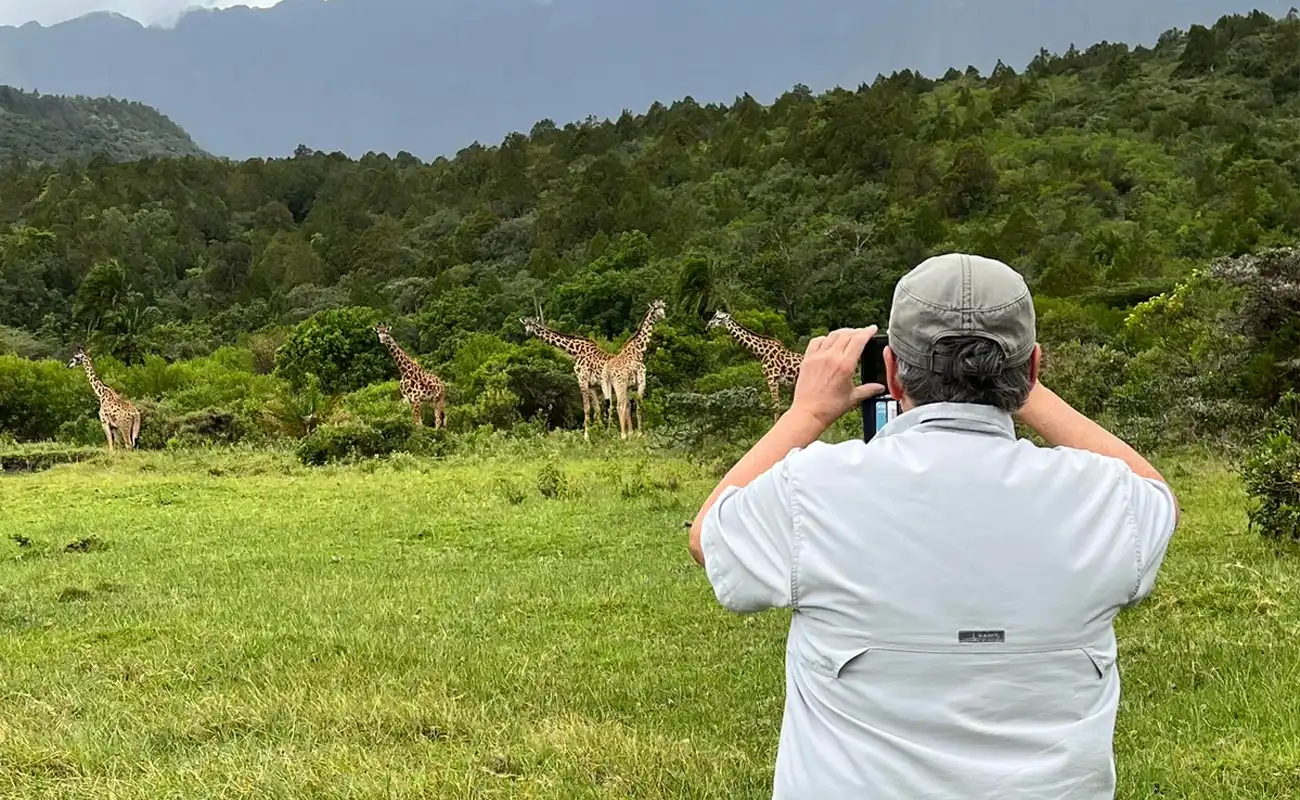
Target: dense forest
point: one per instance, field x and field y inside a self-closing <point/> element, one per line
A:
<point x="51" y="128"/>
<point x="1116" y="178"/>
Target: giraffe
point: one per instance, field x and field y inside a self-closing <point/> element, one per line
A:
<point x="589" y="361"/>
<point x="780" y="364"/>
<point x="419" y="386"/>
<point x="118" y="416"/>
<point x="628" y="365"/>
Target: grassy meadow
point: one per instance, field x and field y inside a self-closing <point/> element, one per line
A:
<point x="523" y="623"/>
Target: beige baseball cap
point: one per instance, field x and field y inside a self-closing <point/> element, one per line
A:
<point x="956" y="294"/>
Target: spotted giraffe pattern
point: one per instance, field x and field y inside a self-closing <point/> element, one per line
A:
<point x="589" y="361"/>
<point x="119" y="417"/>
<point x="628" y="367"/>
<point x="419" y="386"/>
<point x="780" y="364"/>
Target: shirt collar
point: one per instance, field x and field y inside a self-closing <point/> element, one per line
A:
<point x="960" y="417"/>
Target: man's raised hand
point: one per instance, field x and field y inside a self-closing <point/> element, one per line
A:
<point x="827" y="387"/>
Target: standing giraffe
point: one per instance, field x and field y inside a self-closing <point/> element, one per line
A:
<point x="419" y="386"/>
<point x="780" y="364"/>
<point x="628" y="365"/>
<point x="118" y="416"/>
<point x="589" y="361"/>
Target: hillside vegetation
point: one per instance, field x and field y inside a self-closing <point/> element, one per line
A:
<point x="1144" y="192"/>
<point x="48" y="128"/>
<point x="431" y="77"/>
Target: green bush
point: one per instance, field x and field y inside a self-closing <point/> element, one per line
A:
<point x="378" y="401"/>
<point x="338" y="346"/>
<point x="38" y="397"/>
<point x="495" y="382"/>
<point x="1271" y="474"/>
<point x="724" y="420"/>
<point x="746" y="375"/>
<point x="1084" y="375"/>
<point x="166" y="425"/>
<point x="1061" y="320"/>
<point x="551" y="480"/>
<point x="359" y="440"/>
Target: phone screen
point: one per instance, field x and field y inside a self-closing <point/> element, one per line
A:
<point x="879" y="410"/>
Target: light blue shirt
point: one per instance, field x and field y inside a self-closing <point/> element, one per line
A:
<point x="953" y="589"/>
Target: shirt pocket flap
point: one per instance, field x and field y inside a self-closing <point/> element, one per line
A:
<point x="829" y="659"/>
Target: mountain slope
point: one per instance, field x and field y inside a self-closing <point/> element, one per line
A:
<point x="431" y="76"/>
<point x="36" y="127"/>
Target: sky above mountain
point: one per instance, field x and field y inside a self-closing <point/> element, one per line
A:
<point x="432" y="76"/>
<point x="148" y="12"/>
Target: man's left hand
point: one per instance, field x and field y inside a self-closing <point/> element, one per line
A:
<point x="827" y="387"/>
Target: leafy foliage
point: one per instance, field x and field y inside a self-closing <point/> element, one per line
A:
<point x="338" y="349"/>
<point x="36" y="127"/>
<point x="1126" y="184"/>
<point x="1271" y="473"/>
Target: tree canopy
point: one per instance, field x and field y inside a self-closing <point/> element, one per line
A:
<point x="51" y="128"/>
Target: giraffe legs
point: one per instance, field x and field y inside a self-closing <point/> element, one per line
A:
<point x="585" y="390"/>
<point x="440" y="412"/>
<point x="775" y="389"/>
<point x="108" y="434"/>
<point x="640" y="398"/>
<point x="624" y="415"/>
<point x="416" y="417"/>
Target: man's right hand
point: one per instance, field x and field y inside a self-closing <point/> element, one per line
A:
<point x="827" y="387"/>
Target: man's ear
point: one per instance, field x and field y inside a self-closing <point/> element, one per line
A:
<point x="1035" y="364"/>
<point x="891" y="375"/>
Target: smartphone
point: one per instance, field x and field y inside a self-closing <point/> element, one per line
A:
<point x="879" y="410"/>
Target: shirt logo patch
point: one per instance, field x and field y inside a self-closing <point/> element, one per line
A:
<point x="981" y="637"/>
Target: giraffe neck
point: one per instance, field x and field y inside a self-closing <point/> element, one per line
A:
<point x="573" y="345"/>
<point x="96" y="385"/>
<point x="636" y="346"/>
<point x="752" y="341"/>
<point x="404" y="362"/>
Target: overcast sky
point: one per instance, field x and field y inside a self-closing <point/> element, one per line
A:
<point x="47" y="12"/>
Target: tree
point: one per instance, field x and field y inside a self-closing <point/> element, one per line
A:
<point x="339" y="347"/>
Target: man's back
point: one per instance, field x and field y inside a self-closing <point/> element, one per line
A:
<point x="953" y="591"/>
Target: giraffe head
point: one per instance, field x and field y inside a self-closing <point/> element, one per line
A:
<point x="658" y="310"/>
<point x="383" y="332"/>
<point x="79" y="358"/>
<point x="720" y="317"/>
<point x="531" y="324"/>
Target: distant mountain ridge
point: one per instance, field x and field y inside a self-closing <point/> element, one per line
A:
<point x="49" y="128"/>
<point x="431" y="76"/>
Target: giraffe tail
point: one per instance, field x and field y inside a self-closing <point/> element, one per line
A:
<point x="135" y="429"/>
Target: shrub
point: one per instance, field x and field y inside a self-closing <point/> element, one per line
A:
<point x="350" y="440"/>
<point x="723" y="419"/>
<point x="378" y="401"/>
<point x="1271" y="474"/>
<point x="339" y="347"/>
<point x="359" y="440"/>
<point x="1084" y="375"/>
<point x="164" y="425"/>
<point x="38" y="397"/>
<point x="551" y="481"/>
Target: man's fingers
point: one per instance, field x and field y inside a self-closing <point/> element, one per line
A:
<point x="842" y="341"/>
<point x="850" y="341"/>
<point x="855" y="345"/>
<point x="867" y="390"/>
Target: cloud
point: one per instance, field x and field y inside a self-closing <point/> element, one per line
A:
<point x="149" y="12"/>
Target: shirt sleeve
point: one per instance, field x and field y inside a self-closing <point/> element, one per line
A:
<point x="748" y="540"/>
<point x="1154" y="517"/>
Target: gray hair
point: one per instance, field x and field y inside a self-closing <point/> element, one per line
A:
<point x="972" y="372"/>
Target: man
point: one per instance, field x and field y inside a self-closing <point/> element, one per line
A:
<point x="952" y="586"/>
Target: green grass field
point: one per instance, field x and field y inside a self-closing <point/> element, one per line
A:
<point x="233" y="625"/>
